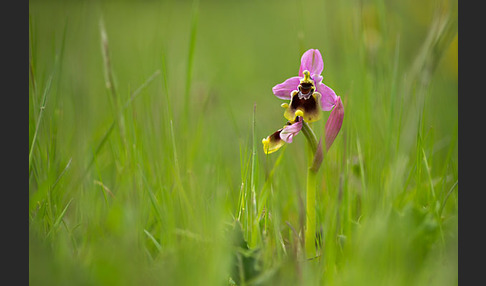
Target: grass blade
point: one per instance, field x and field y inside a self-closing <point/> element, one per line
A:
<point x="39" y="118"/>
<point x="190" y="57"/>
<point x="156" y="243"/>
<point x="446" y="197"/>
<point x="58" y="220"/>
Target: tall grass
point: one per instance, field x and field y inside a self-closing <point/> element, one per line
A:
<point x="145" y="162"/>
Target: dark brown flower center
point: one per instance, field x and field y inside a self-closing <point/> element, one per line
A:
<point x="306" y="90"/>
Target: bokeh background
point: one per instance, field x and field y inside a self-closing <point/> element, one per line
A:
<point x="144" y="115"/>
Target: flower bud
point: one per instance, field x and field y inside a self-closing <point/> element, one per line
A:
<point x="334" y="122"/>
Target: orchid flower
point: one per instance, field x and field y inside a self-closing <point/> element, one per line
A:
<point x="284" y="135"/>
<point x="298" y="89"/>
<point x="308" y="96"/>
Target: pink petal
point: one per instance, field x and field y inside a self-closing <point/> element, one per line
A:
<point x="311" y="61"/>
<point x="290" y="131"/>
<point x="317" y="78"/>
<point x="283" y="90"/>
<point x="328" y="96"/>
<point x="334" y="122"/>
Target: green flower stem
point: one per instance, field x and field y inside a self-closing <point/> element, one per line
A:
<point x="311" y="137"/>
<point x="310" y="229"/>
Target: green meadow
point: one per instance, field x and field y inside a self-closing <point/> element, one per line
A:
<point x="146" y="165"/>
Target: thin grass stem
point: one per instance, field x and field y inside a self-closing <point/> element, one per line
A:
<point x="190" y="57"/>
<point x="39" y="118"/>
<point x="254" y="221"/>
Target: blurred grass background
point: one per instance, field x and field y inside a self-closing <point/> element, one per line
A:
<point x="140" y="182"/>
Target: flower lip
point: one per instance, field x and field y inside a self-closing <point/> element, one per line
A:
<point x="299" y="114"/>
<point x="273" y="142"/>
<point x="310" y="107"/>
